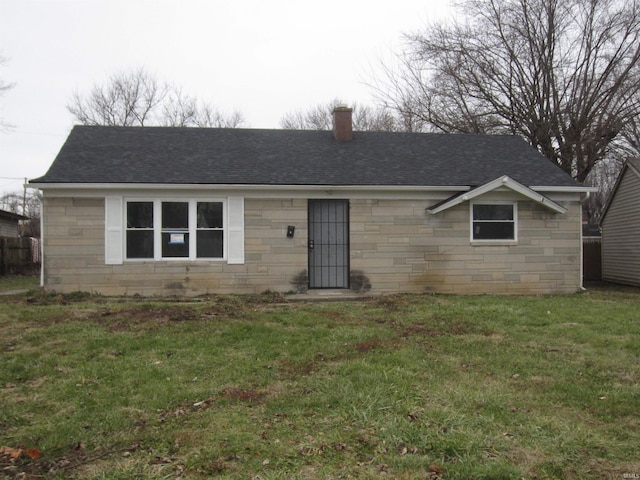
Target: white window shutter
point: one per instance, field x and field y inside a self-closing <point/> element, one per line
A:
<point x="113" y="221"/>
<point x="235" y="230"/>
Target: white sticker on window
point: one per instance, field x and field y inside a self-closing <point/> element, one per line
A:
<point x="176" y="239"/>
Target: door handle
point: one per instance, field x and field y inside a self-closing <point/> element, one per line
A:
<point x="311" y="245"/>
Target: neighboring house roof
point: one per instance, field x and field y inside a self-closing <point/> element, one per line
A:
<point x="4" y="215"/>
<point x="170" y="155"/>
<point x="632" y="164"/>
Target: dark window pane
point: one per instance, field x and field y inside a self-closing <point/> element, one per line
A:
<point x="493" y="212"/>
<point x="209" y="244"/>
<point x="139" y="214"/>
<point x="175" y="215"/>
<point x="139" y="244"/>
<point x="175" y="244"/>
<point x="209" y="215"/>
<point x="493" y="231"/>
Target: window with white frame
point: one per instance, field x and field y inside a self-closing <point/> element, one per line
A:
<point x="494" y="221"/>
<point x="140" y="234"/>
<point x="166" y="229"/>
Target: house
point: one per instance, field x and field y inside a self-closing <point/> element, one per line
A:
<point x="620" y="223"/>
<point x="188" y="211"/>
<point x="10" y="223"/>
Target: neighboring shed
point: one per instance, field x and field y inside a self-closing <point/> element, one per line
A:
<point x="621" y="228"/>
<point x="9" y="223"/>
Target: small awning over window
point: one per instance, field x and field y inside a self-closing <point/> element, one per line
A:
<point x="500" y="182"/>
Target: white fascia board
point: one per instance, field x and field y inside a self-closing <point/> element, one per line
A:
<point x="578" y="189"/>
<point x="234" y="186"/>
<point x="252" y="191"/>
<point x="504" y="181"/>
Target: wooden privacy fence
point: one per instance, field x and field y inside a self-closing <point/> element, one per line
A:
<point x="18" y="255"/>
<point x="591" y="259"/>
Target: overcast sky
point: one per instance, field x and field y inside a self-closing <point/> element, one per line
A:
<point x="263" y="58"/>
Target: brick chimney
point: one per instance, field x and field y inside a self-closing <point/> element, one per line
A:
<point x="342" y="124"/>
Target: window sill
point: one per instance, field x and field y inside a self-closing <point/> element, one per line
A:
<point x="174" y="259"/>
<point x="493" y="243"/>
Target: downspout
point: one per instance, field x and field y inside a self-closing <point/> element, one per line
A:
<point x="42" y="241"/>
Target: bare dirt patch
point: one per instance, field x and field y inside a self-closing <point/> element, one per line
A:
<point x="438" y="327"/>
<point x="243" y="395"/>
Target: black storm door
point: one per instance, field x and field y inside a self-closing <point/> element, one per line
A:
<point x="328" y="244"/>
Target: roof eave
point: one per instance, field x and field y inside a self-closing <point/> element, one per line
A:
<point x="565" y="189"/>
<point x="266" y="187"/>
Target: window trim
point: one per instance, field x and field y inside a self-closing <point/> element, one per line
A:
<point x="494" y="241"/>
<point x="192" y="229"/>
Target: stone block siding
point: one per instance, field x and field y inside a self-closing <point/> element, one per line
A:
<point x="74" y="254"/>
<point x="401" y="248"/>
<point x="395" y="246"/>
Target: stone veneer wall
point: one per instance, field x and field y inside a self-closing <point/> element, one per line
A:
<point x="74" y="233"/>
<point x="400" y="247"/>
<point x="395" y="247"/>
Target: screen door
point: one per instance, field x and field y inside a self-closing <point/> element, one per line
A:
<point x="328" y="244"/>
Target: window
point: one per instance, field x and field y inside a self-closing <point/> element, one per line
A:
<point x="140" y="230"/>
<point x="495" y="221"/>
<point x="175" y="229"/>
<point x="165" y="229"/>
<point x="209" y="234"/>
<point x="135" y="228"/>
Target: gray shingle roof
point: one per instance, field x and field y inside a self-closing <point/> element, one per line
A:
<point x="166" y="155"/>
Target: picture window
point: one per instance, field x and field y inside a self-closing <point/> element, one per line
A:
<point x="165" y="229"/>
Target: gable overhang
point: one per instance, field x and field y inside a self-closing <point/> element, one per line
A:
<point x="499" y="183"/>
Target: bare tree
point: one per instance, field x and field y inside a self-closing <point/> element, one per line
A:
<point x="208" y="116"/>
<point x="128" y="99"/>
<point x="562" y="73"/>
<point x="137" y="98"/>
<point x="319" y="117"/>
<point x="628" y="145"/>
<point x="179" y="110"/>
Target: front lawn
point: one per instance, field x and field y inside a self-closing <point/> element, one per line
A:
<point x="402" y="387"/>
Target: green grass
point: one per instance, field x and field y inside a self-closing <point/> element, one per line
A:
<point x="10" y="283"/>
<point x="253" y="387"/>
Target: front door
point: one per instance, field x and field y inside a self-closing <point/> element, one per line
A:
<point x="328" y="244"/>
